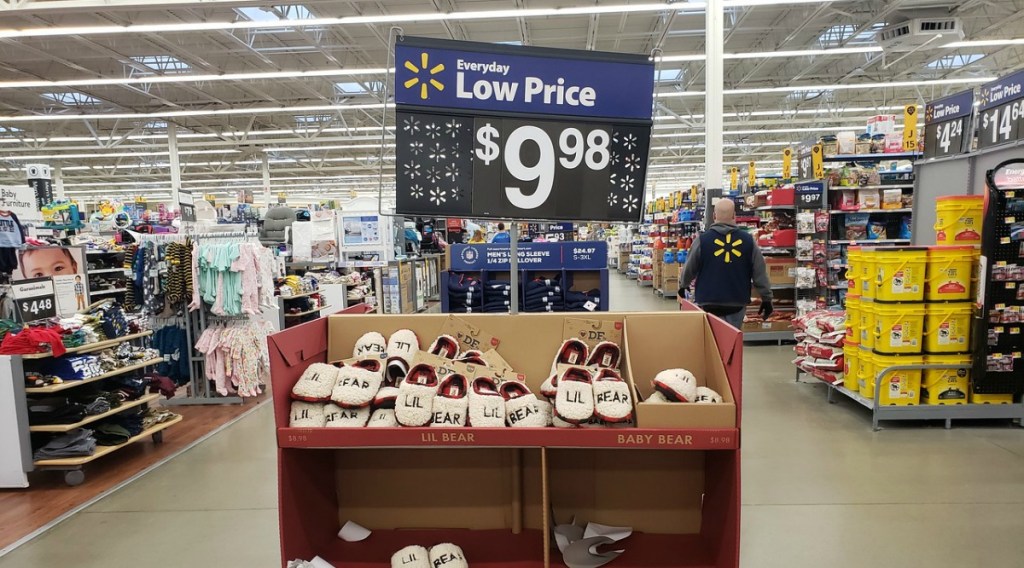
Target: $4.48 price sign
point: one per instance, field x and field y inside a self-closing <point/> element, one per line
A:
<point x="1001" y="124"/>
<point x="34" y="299"/>
<point x="520" y="169"/>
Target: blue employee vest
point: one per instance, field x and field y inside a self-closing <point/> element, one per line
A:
<point x="726" y="268"/>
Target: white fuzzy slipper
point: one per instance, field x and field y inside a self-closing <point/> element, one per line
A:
<point x="522" y="409"/>
<point x="385" y="397"/>
<point x="605" y="355"/>
<point x="337" y="417"/>
<point x="678" y="385"/>
<point x="395" y="370"/>
<point x="403" y="344"/>
<point x="316" y="383"/>
<point x="472" y="357"/>
<point x="575" y="400"/>
<point x="357" y="385"/>
<point x="571" y="352"/>
<point x="486" y="406"/>
<point x="371" y="344"/>
<point x="612" y="401"/>
<point x="445" y="346"/>
<point x="559" y="423"/>
<point x="707" y="396"/>
<point x="451" y="403"/>
<point x="415" y="404"/>
<point x="411" y="557"/>
<point x="657" y="397"/>
<point x="549" y="388"/>
<point x="447" y="555"/>
<point x="307" y="415"/>
<point x="547" y="409"/>
<point x="383" y="418"/>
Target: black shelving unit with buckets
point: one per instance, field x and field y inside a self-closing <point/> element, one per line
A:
<point x="998" y="373"/>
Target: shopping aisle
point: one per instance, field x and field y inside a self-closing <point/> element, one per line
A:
<point x="818" y="486"/>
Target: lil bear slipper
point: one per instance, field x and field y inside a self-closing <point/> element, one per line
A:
<point x="383" y="418"/>
<point x="656" y="397"/>
<point x="605" y="355"/>
<point x="522" y="409"/>
<point x="612" y="402"/>
<point x="572" y="352"/>
<point x="486" y="406"/>
<point x="316" y="383"/>
<point x="401" y="350"/>
<point x="707" y="396"/>
<point x="473" y="357"/>
<point x="411" y="557"/>
<point x="385" y="397"/>
<point x="445" y="346"/>
<point x="546" y="409"/>
<point x="371" y="344"/>
<point x="450" y="402"/>
<point x="338" y="417"/>
<point x="415" y="404"/>
<point x="549" y="388"/>
<point x="677" y="385"/>
<point x="575" y="400"/>
<point x="358" y="383"/>
<point x="447" y="555"/>
<point x="307" y="415"/>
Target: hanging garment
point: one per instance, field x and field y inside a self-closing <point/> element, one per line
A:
<point x="237" y="359"/>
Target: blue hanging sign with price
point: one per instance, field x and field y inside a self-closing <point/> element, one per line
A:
<point x="1001" y="107"/>
<point x="945" y="121"/>
<point x="479" y="132"/>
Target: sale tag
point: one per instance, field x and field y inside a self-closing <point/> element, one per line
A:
<point x="34" y="299"/>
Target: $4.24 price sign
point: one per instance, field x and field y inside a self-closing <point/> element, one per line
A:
<point x="34" y="299"/>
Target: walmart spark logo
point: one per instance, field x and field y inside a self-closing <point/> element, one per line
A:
<point x="425" y="75"/>
<point x="729" y="248"/>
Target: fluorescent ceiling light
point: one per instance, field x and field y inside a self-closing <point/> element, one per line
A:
<point x="188" y="113"/>
<point x="194" y="78"/>
<point x="117" y="155"/>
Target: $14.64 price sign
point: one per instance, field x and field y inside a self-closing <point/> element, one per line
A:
<point x="34" y="299"/>
<point x="510" y="168"/>
<point x="1001" y="124"/>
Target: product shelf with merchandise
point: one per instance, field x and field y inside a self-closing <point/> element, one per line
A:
<point x="539" y="476"/>
<point x="776" y="236"/>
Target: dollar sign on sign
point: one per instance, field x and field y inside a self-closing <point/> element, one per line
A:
<point x="488" y="151"/>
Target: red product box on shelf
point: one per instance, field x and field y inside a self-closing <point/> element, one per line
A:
<point x="778" y="238"/>
<point x="782" y="196"/>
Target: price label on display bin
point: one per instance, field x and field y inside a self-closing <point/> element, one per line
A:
<point x="509" y="132"/>
<point x="34" y="299"/>
<point x="1001" y="111"/>
<point x="945" y="123"/>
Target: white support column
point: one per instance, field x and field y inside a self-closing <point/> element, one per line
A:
<point x="265" y="166"/>
<point x="172" y="150"/>
<point x="714" y="86"/>
<point x="58" y="183"/>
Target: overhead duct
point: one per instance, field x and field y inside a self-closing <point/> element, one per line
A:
<point x="914" y="33"/>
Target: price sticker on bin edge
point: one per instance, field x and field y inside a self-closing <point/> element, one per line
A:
<point x="34" y="299"/>
<point x="509" y="132"/>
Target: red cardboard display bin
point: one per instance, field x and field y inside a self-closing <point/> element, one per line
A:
<point x="496" y="492"/>
<point x="778" y="238"/>
<point x="782" y="196"/>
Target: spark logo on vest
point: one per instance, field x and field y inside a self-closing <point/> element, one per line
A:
<point x="729" y="248"/>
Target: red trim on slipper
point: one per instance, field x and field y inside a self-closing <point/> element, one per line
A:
<point x="485" y="382"/>
<point x="670" y="393"/>
<point x="579" y="347"/>
<point x="372" y="365"/>
<point x="309" y="399"/>
<point x="509" y="386"/>
<point x="599" y="353"/>
<point x="446" y="384"/>
<point x="575" y="374"/>
<point x="613" y="420"/>
<point x="421" y="369"/>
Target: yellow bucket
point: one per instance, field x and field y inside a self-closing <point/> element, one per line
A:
<point x="852" y="319"/>
<point x="950" y="270"/>
<point x="867" y="324"/>
<point x="851" y="366"/>
<point x="899" y="388"/>
<point x="948" y="328"/>
<point x="958" y="219"/>
<point x="853" y="262"/>
<point x="945" y="386"/>
<point x="866" y="273"/>
<point x="977" y="398"/>
<point x="900" y="274"/>
<point x="899" y="328"/>
<point x="866" y="373"/>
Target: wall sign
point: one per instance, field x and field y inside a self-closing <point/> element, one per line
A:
<point x="34" y="299"/>
<point x="945" y="122"/>
<point x="479" y="132"/>
<point x="1001" y="111"/>
<point x="532" y="256"/>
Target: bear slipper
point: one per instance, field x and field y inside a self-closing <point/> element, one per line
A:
<point x="575" y="400"/>
<point x="403" y="344"/>
<point x="445" y="346"/>
<point x="657" y="397"/>
<point x="451" y="403"/>
<point x="307" y="415"/>
<point x="549" y="388"/>
<point x="571" y="352"/>
<point x="678" y="385"/>
<point x="316" y="383"/>
<point x="605" y="355"/>
<point x="385" y="397"/>
<point x="447" y="555"/>
<point x="707" y="396"/>
<point x="415" y="404"/>
<point x="357" y="384"/>
<point x="411" y="557"/>
<point x="472" y="357"/>
<point x="371" y="344"/>
<point x="486" y="405"/>
<point x="522" y="409"/>
<point x="612" y="402"/>
<point x="338" y="417"/>
<point x="383" y="418"/>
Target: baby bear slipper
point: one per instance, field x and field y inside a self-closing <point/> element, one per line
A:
<point x="401" y="350"/>
<point x="411" y="557"/>
<point x="383" y="418"/>
<point x="575" y="400"/>
<point x="415" y="404"/>
<point x="445" y="346"/>
<point x="486" y="406"/>
<point x="707" y="396"/>
<point x="447" y="555"/>
<point x="572" y="352"/>
<point x="450" y="402"/>
<point x="605" y="355"/>
<point x="677" y="385"/>
<point x="307" y="415"/>
<point x="612" y="402"/>
<point x="316" y="383"/>
<point x="338" y="417"/>
<point x="371" y="344"/>
<point x="522" y="409"/>
<point x="357" y="384"/>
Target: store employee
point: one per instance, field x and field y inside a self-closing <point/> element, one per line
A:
<point x="724" y="261"/>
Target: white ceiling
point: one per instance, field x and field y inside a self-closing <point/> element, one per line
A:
<point x="226" y="73"/>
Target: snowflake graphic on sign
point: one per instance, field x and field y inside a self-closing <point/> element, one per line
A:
<point x="416" y="148"/>
<point x="437" y="152"/>
<point x="630" y="203"/>
<point x="433" y="174"/>
<point x="432" y="130"/>
<point x="412" y="170"/>
<point x="632" y="162"/>
<point x="612" y="200"/>
<point x="411" y="125"/>
<point x="437" y="196"/>
<point x="416" y="191"/>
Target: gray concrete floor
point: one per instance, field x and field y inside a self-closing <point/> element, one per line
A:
<point x="819" y="488"/>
